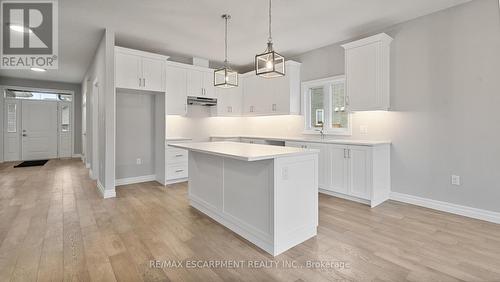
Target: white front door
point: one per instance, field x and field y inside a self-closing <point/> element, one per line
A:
<point x="39" y="130"/>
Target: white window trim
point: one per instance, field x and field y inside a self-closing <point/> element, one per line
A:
<point x="328" y="110"/>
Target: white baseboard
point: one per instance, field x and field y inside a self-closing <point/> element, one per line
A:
<point x="106" y="194"/>
<point x="132" y="180"/>
<point x="343" y="196"/>
<point x="87" y="165"/>
<point x="481" y="214"/>
<point x="179" y="180"/>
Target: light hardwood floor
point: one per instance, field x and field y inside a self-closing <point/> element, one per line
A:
<point x="54" y="226"/>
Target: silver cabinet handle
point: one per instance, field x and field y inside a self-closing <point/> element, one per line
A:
<point x="179" y="155"/>
<point x="179" y="170"/>
<point x="274" y="107"/>
<point x="140" y="84"/>
<point x="144" y="82"/>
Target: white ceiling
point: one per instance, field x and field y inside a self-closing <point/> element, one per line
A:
<point x="194" y="27"/>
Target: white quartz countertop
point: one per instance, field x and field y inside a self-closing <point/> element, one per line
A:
<point x="326" y="140"/>
<point x="171" y="139"/>
<point x="243" y="151"/>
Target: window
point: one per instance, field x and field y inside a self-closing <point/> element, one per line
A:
<point x="32" y="95"/>
<point x="325" y="106"/>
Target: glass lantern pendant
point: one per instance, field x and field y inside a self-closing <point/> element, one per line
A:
<point x="269" y="64"/>
<point x="225" y="77"/>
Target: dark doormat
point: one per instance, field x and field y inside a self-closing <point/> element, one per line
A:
<point x="32" y="163"/>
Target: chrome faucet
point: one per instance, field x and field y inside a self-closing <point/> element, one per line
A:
<point x="322" y="130"/>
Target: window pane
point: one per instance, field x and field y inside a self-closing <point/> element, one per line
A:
<point x="32" y="95"/>
<point x="340" y="116"/>
<point x="65" y="119"/>
<point x="317" y="107"/>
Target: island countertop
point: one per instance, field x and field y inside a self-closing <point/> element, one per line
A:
<point x="243" y="151"/>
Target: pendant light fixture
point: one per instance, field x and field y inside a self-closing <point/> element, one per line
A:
<point x="225" y="77"/>
<point x="269" y="64"/>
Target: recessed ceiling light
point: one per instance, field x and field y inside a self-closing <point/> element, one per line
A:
<point x="38" y="69"/>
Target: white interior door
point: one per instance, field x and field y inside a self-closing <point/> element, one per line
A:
<point x="39" y="130"/>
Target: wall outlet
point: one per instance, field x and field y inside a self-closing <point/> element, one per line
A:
<point x="363" y="129"/>
<point x="455" y="180"/>
<point x="138" y="161"/>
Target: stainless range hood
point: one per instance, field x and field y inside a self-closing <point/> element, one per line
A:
<point x="202" y="101"/>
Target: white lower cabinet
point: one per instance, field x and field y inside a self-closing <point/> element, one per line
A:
<point x="176" y="168"/>
<point x="360" y="173"/>
<point x="339" y="169"/>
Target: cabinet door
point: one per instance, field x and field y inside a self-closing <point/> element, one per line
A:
<point x="195" y="83"/>
<point x="255" y="97"/>
<point x="208" y="84"/>
<point x="360" y="171"/>
<point x="236" y="98"/>
<point x="339" y="169"/>
<point x="176" y="83"/>
<point x="280" y="98"/>
<point x="127" y="71"/>
<point x="229" y="101"/>
<point x="362" y="75"/>
<point x="324" y="164"/>
<point x="153" y="74"/>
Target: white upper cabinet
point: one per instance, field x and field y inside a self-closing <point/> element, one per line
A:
<point x="208" y="84"/>
<point x="367" y="66"/>
<point x="139" y="70"/>
<point x="195" y="83"/>
<point x="272" y="96"/>
<point x="229" y="101"/>
<point x="127" y="71"/>
<point x="176" y="89"/>
<point x="153" y="72"/>
<point x="201" y="83"/>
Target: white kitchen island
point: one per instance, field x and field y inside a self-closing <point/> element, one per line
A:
<point x="266" y="194"/>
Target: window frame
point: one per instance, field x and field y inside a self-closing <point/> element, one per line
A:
<point x="327" y="84"/>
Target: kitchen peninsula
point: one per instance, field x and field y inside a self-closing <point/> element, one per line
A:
<point x="266" y="194"/>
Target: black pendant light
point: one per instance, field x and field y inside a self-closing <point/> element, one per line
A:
<point x="225" y="77"/>
<point x="269" y="64"/>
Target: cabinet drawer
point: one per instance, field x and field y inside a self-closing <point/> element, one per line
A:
<point x="176" y="155"/>
<point x="176" y="171"/>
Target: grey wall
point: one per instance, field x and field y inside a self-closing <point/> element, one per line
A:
<point x="134" y="134"/>
<point x="9" y="81"/>
<point x="445" y="94"/>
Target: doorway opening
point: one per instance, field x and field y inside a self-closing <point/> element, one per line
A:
<point x="38" y="124"/>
